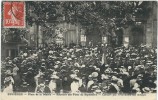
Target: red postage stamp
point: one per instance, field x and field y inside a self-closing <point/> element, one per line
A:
<point x="14" y="14"/>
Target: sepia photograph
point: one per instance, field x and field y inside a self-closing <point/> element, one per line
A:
<point x="79" y="48"/>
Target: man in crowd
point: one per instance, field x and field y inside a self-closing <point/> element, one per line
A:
<point x="92" y="69"/>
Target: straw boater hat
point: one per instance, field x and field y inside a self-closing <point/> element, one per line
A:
<point x="76" y="71"/>
<point x="95" y="87"/>
<point x="139" y="76"/>
<point x="114" y="78"/>
<point x="43" y="60"/>
<point x="56" y="66"/>
<point x="69" y="59"/>
<point x="10" y="61"/>
<point x="104" y="77"/>
<point x="7" y="79"/>
<point x="65" y="58"/>
<point x="94" y="74"/>
<point x="94" y="67"/>
<point x="129" y="67"/>
<point x="25" y="84"/>
<point x="25" y="54"/>
<point x="42" y="85"/>
<point x="61" y="55"/>
<point x="97" y="69"/>
<point x="73" y="76"/>
<point x="86" y="55"/>
<point x="90" y="76"/>
<point x="73" y="56"/>
<point x="146" y="89"/>
<point x="54" y="73"/>
<point x="58" y="62"/>
<point x="106" y="65"/>
<point x="98" y="91"/>
<point x="77" y="65"/>
<point x="107" y="71"/>
<point x="54" y="77"/>
<point x="83" y="66"/>
<point x="50" y="52"/>
<point x="125" y="73"/>
<point x="30" y="69"/>
<point x="24" y="74"/>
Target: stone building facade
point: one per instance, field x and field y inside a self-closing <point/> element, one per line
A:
<point x="141" y="33"/>
<point x="144" y="32"/>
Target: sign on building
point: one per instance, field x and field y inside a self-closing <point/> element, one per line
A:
<point x="83" y="38"/>
<point x="104" y="39"/>
<point x="126" y="41"/>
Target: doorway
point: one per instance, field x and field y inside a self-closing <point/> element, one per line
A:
<point x="119" y="35"/>
<point x="70" y="37"/>
<point x="137" y="36"/>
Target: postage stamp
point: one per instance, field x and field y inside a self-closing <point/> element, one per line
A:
<point x="13" y="14"/>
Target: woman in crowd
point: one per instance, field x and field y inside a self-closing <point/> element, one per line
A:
<point x="92" y="69"/>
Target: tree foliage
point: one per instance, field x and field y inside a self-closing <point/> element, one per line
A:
<point x="105" y="15"/>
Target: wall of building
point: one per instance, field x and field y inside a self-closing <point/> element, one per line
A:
<point x="94" y="36"/>
<point x="149" y="27"/>
<point x="72" y="34"/>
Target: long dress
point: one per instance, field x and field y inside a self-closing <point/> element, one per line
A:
<point x="52" y="86"/>
<point x="8" y="89"/>
<point x="74" y="87"/>
<point x="16" y="78"/>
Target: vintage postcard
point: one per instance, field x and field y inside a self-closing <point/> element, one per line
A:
<point x="78" y="50"/>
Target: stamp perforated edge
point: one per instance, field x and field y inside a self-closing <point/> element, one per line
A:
<point x="24" y="26"/>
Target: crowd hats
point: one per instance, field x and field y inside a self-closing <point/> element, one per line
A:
<point x="10" y="62"/>
<point x="42" y="85"/>
<point x="95" y="87"/>
<point x="54" y="77"/>
<point x="107" y="71"/>
<point x="24" y="84"/>
<point x="25" y="54"/>
<point x="146" y="89"/>
<point x="69" y="59"/>
<point x="7" y="79"/>
<point x="8" y="72"/>
<point x="139" y="76"/>
<point x="89" y="76"/>
<point x="30" y="69"/>
<point x="55" y="73"/>
<point x="50" y="52"/>
<point x="7" y="59"/>
<point x="42" y="60"/>
<point x="56" y="66"/>
<point x="106" y="65"/>
<point x="97" y="69"/>
<point x="77" y="65"/>
<point x="94" y="74"/>
<point x="104" y="77"/>
<point x="73" y="76"/>
<point x="65" y="58"/>
<point x="125" y="73"/>
<point x="57" y="62"/>
<point x="114" y="78"/>
<point x="76" y="71"/>
<point x="98" y="91"/>
<point x="129" y="67"/>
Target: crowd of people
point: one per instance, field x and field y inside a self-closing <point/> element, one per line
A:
<point x="91" y="69"/>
